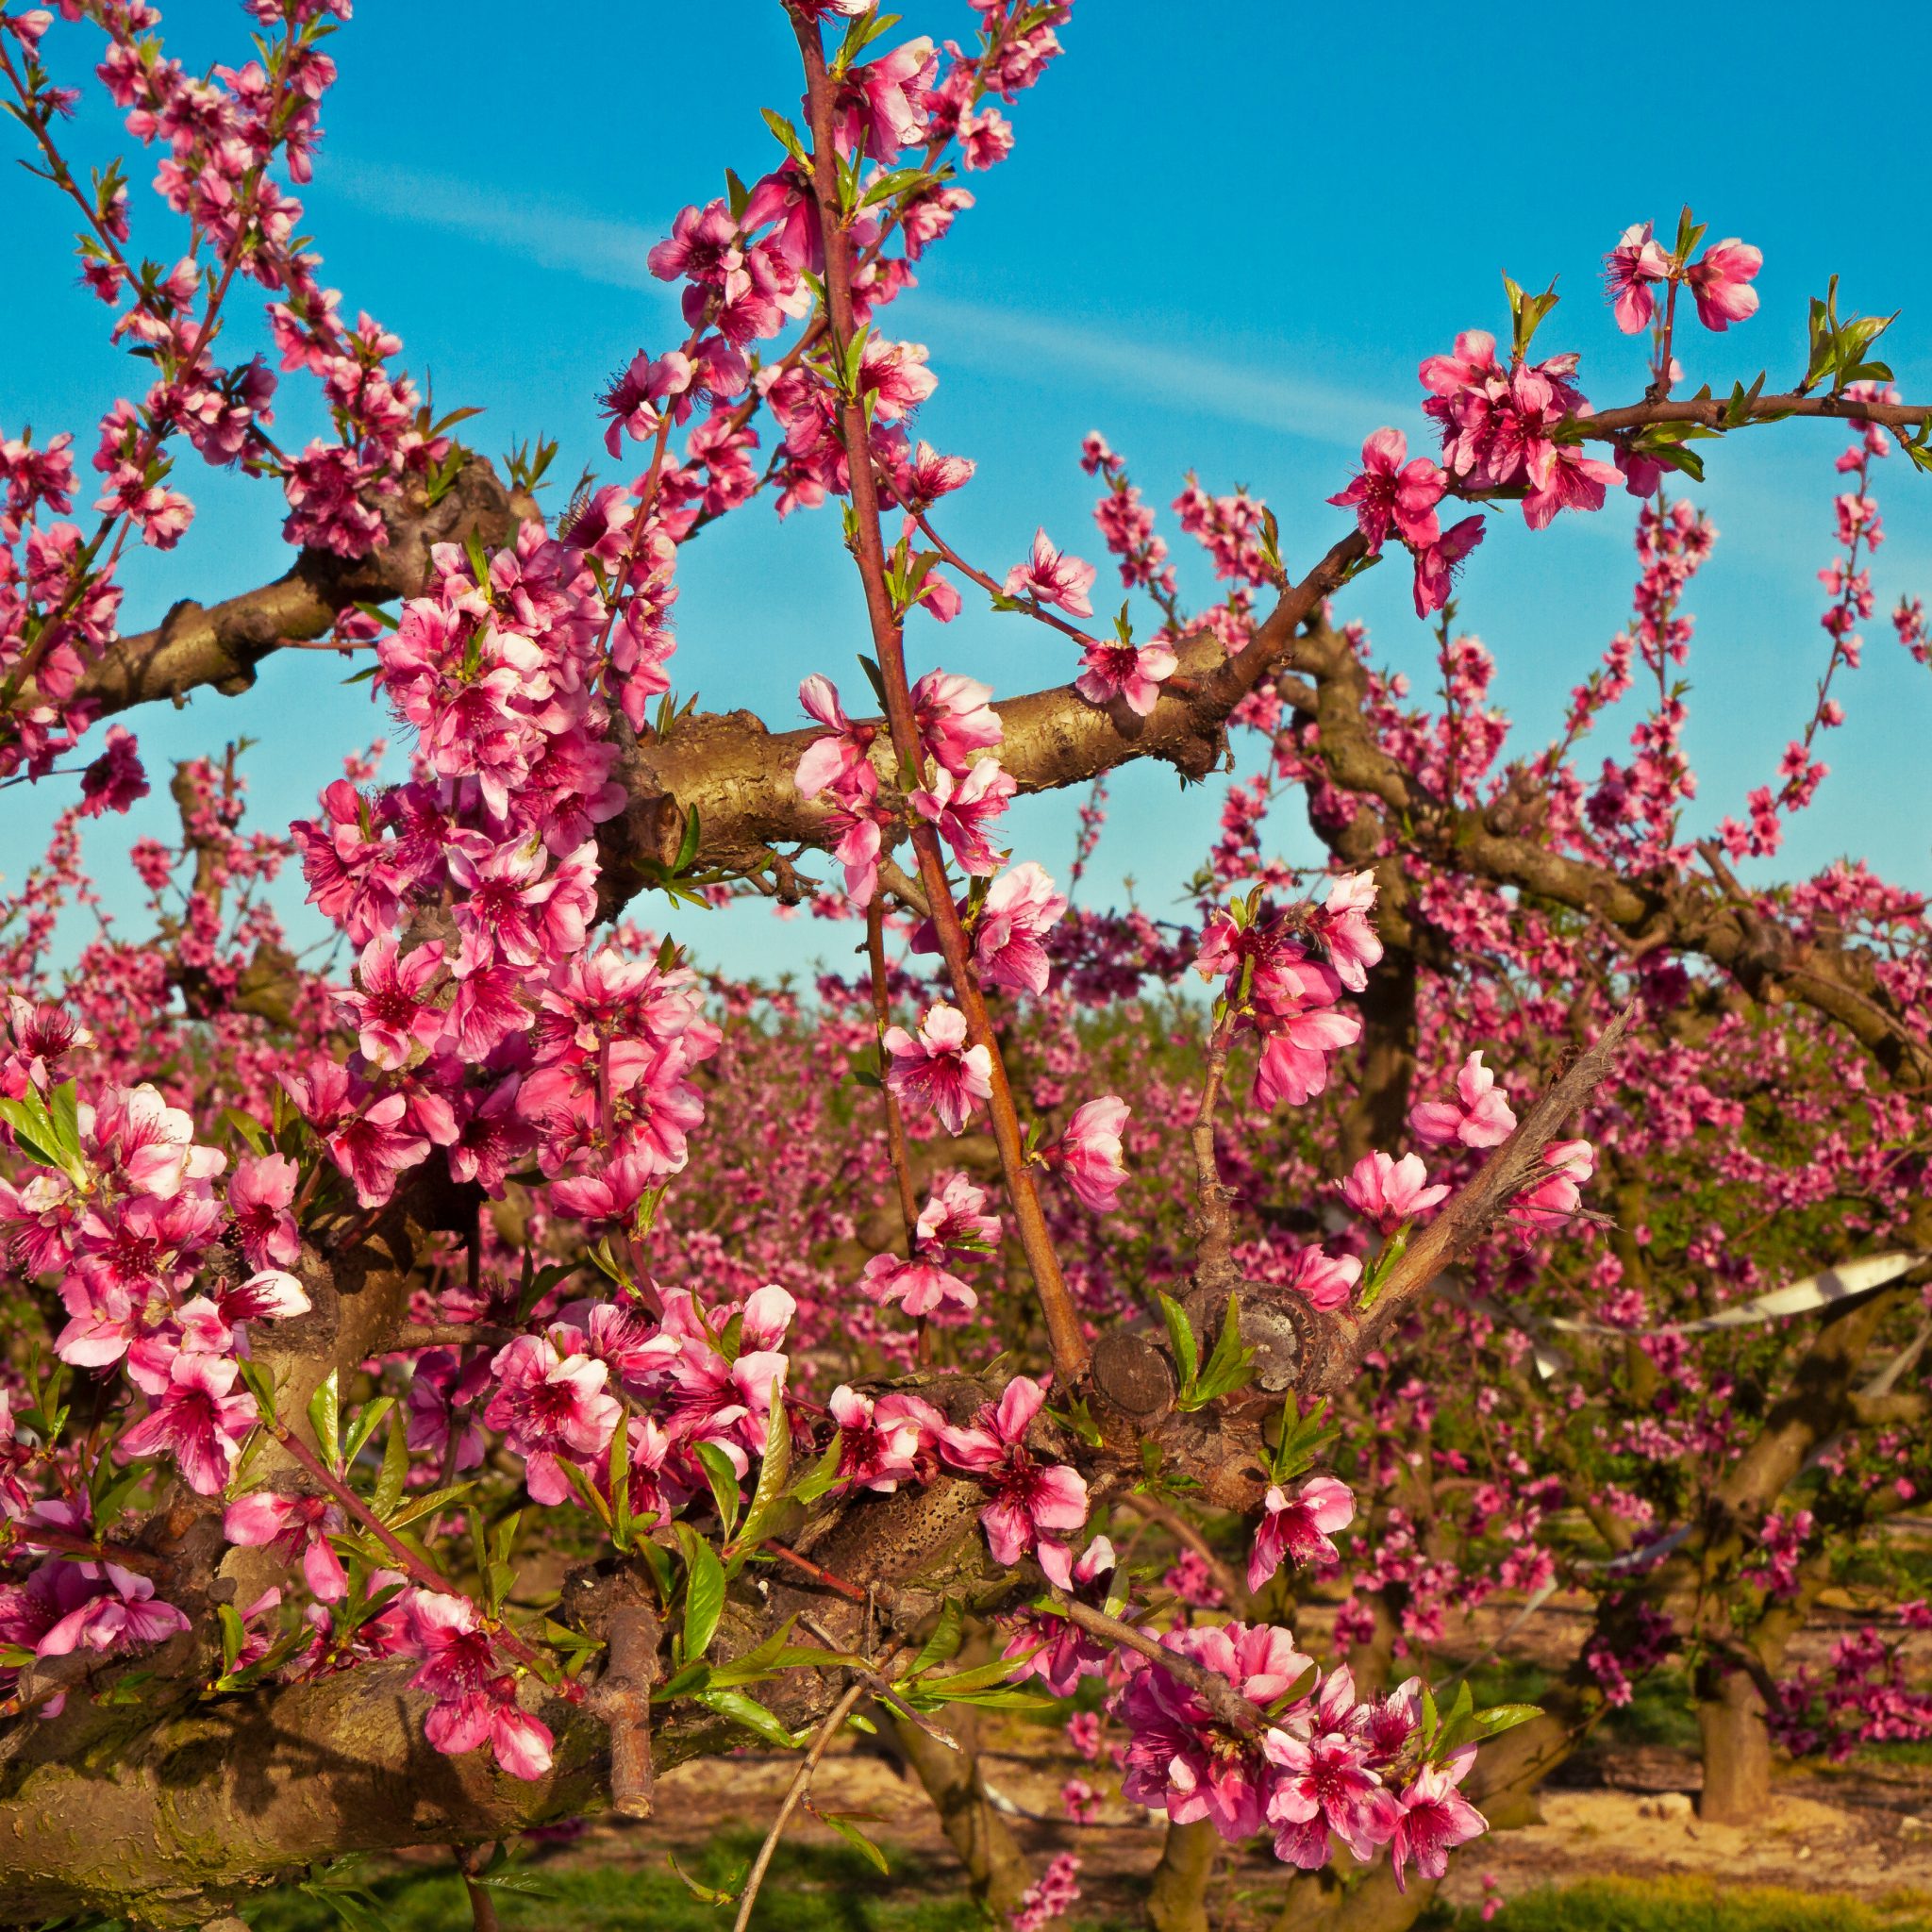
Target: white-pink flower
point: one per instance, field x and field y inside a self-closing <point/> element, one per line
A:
<point x="1053" y="578"/>
<point x="937" y="1072"/>
<point x="1480" y="1116"/>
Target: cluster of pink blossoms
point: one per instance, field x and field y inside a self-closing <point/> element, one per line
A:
<point x="218" y="136"/>
<point x="1285" y="994"/>
<point x="1321" y="1770"/>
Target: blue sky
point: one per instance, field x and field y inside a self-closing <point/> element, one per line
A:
<point x="1226" y="236"/>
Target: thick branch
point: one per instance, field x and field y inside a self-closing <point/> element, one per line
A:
<point x="219" y="646"/>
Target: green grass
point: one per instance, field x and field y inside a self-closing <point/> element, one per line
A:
<point x="809" y="1888"/>
<point x="1686" y="1905"/>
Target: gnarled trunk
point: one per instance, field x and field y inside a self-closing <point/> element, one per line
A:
<point x="1737" y="1752"/>
<point x="1177" y="1897"/>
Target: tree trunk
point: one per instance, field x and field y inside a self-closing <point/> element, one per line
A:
<point x="1737" y="1753"/>
<point x="1177" y="1898"/>
<point x="978" y="1835"/>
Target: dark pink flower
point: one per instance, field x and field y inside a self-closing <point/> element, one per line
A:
<point x="1393" y="489"/>
<point x="1391" y="1191"/>
<point x="475" y="1702"/>
<point x="1089" y="1153"/>
<point x="258" y="1199"/>
<point x="550" y="1407"/>
<point x="1435" y="566"/>
<point x="116" y="778"/>
<point x="962" y="809"/>
<point x="1299" y="1526"/>
<point x="1630" y="269"/>
<point x="1132" y="673"/>
<point x="1436" y="1818"/>
<point x="197" y="1420"/>
<point x="1018" y="910"/>
<point x="1029" y="1496"/>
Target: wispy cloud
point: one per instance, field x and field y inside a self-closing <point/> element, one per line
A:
<point x="559" y="236"/>
<point x="552" y="234"/>
<point x="1155" y="372"/>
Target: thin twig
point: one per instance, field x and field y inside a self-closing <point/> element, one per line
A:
<point x="815" y="1751"/>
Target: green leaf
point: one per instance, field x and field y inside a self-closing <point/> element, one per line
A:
<point x="365" y="1425"/>
<point x="1230" y="1365"/>
<point x="324" y="1418"/>
<point x="786" y="136"/>
<point x="703" y="1592"/>
<point x="234" y="1636"/>
<point x="1499" y="1717"/>
<point x="822" y="1475"/>
<point x="775" y="1472"/>
<point x="842" y="1822"/>
<point x="705" y="1895"/>
<point x="113" y="1496"/>
<point x="395" y="1468"/>
<point x="723" y="1478"/>
<point x="618" y="1473"/>
<point x="753" y="1715"/>
<point x="943" y="1644"/>
<point x="1180" y="1335"/>
<point x="251" y="1129"/>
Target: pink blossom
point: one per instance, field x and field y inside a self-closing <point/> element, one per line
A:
<point x="879" y="1441"/>
<point x="1327" y="1280"/>
<point x="962" y="809"/>
<point x="1341" y="923"/>
<point x="475" y="1700"/>
<point x="115" y="779"/>
<point x="1061" y="1652"/>
<point x="258" y="1199"/>
<point x="839" y="761"/>
<point x="1721" y="281"/>
<point x="1018" y="910"/>
<point x="1089" y="1153"/>
<point x="374" y="1146"/>
<point x="1029" y="1496"/>
<point x="1630" y="269"/>
<point x="1323" y="1785"/>
<point x="937" y="1072"/>
<point x="126" y="1613"/>
<point x="1392" y="490"/>
<point x="1391" y="1191"/>
<point x="394" y="1019"/>
<point x="1435" y="566"/>
<point x="1480" y="1116"/>
<point x="289" y="1524"/>
<point x="1052" y="579"/>
<point x="1299" y="1526"/>
<point x="1180" y="1758"/>
<point x="956" y="723"/>
<point x="923" y="1286"/>
<point x="1132" y="673"/>
<point x="551" y="1408"/>
<point x="1553" y="1199"/>
<point x="197" y="1422"/>
<point x="1436" y="1818"/>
